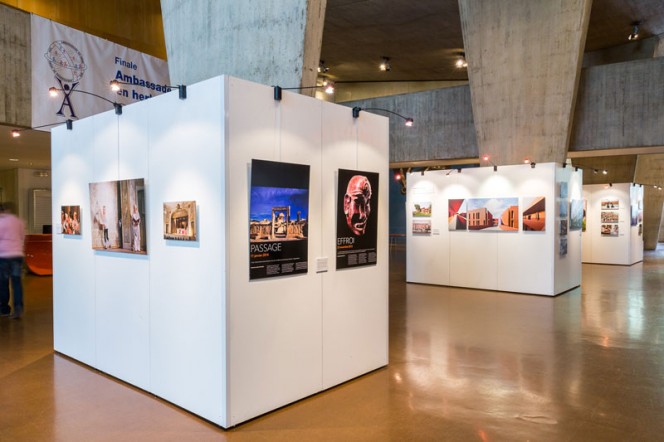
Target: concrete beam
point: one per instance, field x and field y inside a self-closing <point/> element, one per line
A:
<point x="272" y="42"/>
<point x="620" y="105"/>
<point x="443" y="126"/>
<point x="524" y="59"/>
<point x="620" y="169"/>
<point x="15" y="69"/>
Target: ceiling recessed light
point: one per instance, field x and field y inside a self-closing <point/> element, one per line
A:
<point x="13" y="159"/>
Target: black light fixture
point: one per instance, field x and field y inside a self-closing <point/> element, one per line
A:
<point x="17" y="132"/>
<point x="53" y="92"/>
<point x="182" y="89"/>
<point x="385" y="64"/>
<point x="564" y="165"/>
<point x="532" y="164"/>
<point x="357" y="109"/>
<point x="322" y="68"/>
<point x="461" y="61"/>
<point x="635" y="31"/>
<point x="327" y="85"/>
<point x="488" y="160"/>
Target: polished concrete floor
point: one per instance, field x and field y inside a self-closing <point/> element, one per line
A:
<point x="464" y="365"/>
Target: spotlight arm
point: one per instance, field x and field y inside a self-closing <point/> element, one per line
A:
<point x="278" y="89"/>
<point x="68" y="122"/>
<point x="357" y="109"/>
<point x="117" y="106"/>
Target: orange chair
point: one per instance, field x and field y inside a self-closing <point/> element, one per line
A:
<point x="39" y="254"/>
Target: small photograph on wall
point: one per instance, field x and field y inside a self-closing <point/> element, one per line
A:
<point x="634" y="215"/>
<point x="563" y="227"/>
<point x="563" y="246"/>
<point x="422" y="227"/>
<point x="534" y="214"/>
<point x="640" y="229"/>
<point x="180" y="220"/>
<point x="357" y="218"/>
<point x="493" y="214"/>
<point x="456" y="215"/>
<point x="422" y="209"/>
<point x="610" y="216"/>
<point x="278" y="219"/>
<point x="117" y="210"/>
<point x="70" y="220"/>
<point x="609" y="229"/>
<point x="585" y="212"/>
<point x="564" y="205"/>
<point x="563" y="190"/>
<point x="576" y="215"/>
<point x="610" y="204"/>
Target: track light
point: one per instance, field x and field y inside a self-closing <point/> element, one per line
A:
<point x="610" y="184"/>
<point x="329" y="87"/>
<point x="17" y="132"/>
<point x="54" y="91"/>
<point x="461" y="61"/>
<point x="385" y="65"/>
<point x="356" y="113"/>
<point x="576" y="169"/>
<point x="182" y="89"/>
<point x="595" y="171"/>
<point x="532" y="165"/>
<point x="488" y="160"/>
<point x="604" y="171"/>
<point x="322" y="68"/>
<point x="635" y="31"/>
<point x="564" y="165"/>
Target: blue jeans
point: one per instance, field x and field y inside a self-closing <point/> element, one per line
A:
<point x="11" y="269"/>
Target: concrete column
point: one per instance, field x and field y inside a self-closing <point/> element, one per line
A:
<point x="659" y="47"/>
<point x="274" y="42"/>
<point x="524" y="60"/>
<point x="16" y="88"/>
<point x="650" y="170"/>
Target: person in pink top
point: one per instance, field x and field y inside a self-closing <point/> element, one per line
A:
<point x="12" y="237"/>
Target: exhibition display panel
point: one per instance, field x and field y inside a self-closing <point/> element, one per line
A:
<point x="613" y="228"/>
<point x="238" y="290"/>
<point x="505" y="229"/>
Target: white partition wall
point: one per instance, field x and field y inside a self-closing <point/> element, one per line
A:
<point x="184" y="321"/>
<point x="516" y="261"/>
<point x="614" y="218"/>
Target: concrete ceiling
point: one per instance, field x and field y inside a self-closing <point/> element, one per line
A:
<point x="423" y="40"/>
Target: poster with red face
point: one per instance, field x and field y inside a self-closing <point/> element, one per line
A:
<point x="357" y="218"/>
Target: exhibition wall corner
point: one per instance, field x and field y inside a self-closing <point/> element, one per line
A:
<point x="184" y="320"/>
<point x="504" y="230"/>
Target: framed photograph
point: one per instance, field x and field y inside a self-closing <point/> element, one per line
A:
<point x="422" y="209"/>
<point x="563" y="246"/>
<point x="563" y="190"/>
<point x="70" y="220"/>
<point x="609" y="229"/>
<point x="585" y="212"/>
<point x="357" y="218"/>
<point x="610" y="216"/>
<point x="456" y="215"/>
<point x="493" y="214"/>
<point x="180" y="220"/>
<point x="278" y="219"/>
<point x="563" y="227"/>
<point x="117" y="210"/>
<point x="576" y="215"/>
<point x="534" y="214"/>
<point x="610" y="204"/>
<point x="422" y="227"/>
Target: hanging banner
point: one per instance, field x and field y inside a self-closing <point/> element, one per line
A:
<point x="79" y="64"/>
<point x="357" y="218"/>
<point x="278" y="219"/>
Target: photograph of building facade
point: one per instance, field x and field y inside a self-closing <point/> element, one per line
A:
<point x="534" y="214"/>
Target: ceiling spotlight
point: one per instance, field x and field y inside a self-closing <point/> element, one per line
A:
<point x="604" y="171"/>
<point x="532" y="165"/>
<point x="635" y="31"/>
<point x="385" y="65"/>
<point x="461" y="61"/>
<point x="397" y="176"/>
<point x="16" y="133"/>
<point x="322" y="68"/>
<point x="409" y="122"/>
<point x="595" y="171"/>
<point x="53" y="91"/>
<point x="329" y="87"/>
